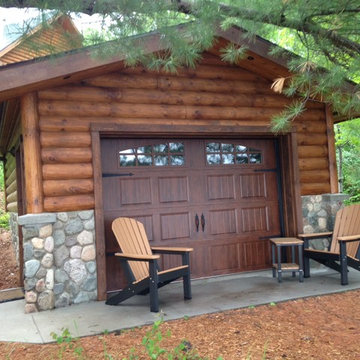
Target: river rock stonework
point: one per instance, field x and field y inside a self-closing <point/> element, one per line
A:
<point x="319" y="213"/>
<point x="59" y="259"/>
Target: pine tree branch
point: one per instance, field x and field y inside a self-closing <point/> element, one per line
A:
<point x="306" y="25"/>
<point x="352" y="48"/>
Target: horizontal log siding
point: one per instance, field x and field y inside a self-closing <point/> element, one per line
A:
<point x="10" y="183"/>
<point x="313" y="157"/>
<point x="211" y="94"/>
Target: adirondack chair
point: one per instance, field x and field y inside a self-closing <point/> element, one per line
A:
<point x="344" y="246"/>
<point x="140" y="264"/>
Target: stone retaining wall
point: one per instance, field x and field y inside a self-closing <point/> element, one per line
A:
<point x="59" y="259"/>
<point x="319" y="213"/>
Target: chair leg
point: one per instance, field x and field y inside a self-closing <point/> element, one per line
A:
<point x="186" y="277"/>
<point x="121" y="296"/>
<point x="153" y="285"/>
<point x="343" y="263"/>
<point x="306" y="267"/>
<point x="187" y="286"/>
<point x="306" y="260"/>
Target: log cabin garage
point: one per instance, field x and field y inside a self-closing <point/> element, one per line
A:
<point x="191" y="155"/>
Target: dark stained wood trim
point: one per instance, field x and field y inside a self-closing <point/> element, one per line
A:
<point x="20" y="204"/>
<point x="183" y="130"/>
<point x="334" y="185"/>
<point x="99" y="217"/>
<point x="295" y="176"/>
<point x="288" y="186"/>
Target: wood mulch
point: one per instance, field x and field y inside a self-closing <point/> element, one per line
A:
<point x="325" y="327"/>
<point x="9" y="271"/>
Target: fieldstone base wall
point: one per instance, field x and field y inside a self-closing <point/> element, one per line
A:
<point x="319" y="213"/>
<point x="14" y="227"/>
<point x="59" y="258"/>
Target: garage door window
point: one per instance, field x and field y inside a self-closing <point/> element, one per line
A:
<point x="231" y="154"/>
<point x="164" y="154"/>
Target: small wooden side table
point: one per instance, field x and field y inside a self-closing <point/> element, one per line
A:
<point x="278" y="266"/>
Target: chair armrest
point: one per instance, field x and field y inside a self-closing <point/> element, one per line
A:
<point x="171" y="250"/>
<point x="315" y="235"/>
<point x="349" y="238"/>
<point x="137" y="257"/>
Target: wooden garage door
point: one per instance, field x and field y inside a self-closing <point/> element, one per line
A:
<point x="218" y="196"/>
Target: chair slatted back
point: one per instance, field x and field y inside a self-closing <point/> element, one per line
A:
<point x="347" y="223"/>
<point x="131" y="237"/>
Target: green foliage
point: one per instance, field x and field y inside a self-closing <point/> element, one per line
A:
<point x="152" y="343"/>
<point x="233" y="54"/>
<point x="4" y="220"/>
<point x="282" y="121"/>
<point x="67" y="342"/>
<point x="348" y="157"/>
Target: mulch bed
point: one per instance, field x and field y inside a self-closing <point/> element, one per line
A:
<point x="9" y="270"/>
<point x="325" y="327"/>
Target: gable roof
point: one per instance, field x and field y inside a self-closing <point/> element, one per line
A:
<point x="75" y="65"/>
<point x="59" y="34"/>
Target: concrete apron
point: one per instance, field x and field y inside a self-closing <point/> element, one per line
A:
<point x="209" y="296"/>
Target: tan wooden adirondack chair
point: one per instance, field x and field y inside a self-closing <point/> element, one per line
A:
<point x="344" y="247"/>
<point x="140" y="264"/>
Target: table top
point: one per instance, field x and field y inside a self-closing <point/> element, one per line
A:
<point x="286" y="241"/>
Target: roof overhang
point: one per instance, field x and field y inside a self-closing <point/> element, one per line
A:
<point x="20" y="78"/>
<point x="65" y="68"/>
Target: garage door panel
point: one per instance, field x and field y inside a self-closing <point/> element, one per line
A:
<point x="255" y="253"/>
<point x="222" y="221"/>
<point x="175" y="226"/>
<point x="136" y="191"/>
<point x="112" y="194"/>
<point x="254" y="219"/>
<point x="220" y="187"/>
<point x="252" y="186"/>
<point x="224" y="258"/>
<point x="173" y="189"/>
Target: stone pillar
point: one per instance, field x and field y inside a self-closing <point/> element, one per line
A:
<point x="319" y="213"/>
<point x="59" y="259"/>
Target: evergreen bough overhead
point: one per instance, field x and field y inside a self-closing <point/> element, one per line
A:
<point x="325" y="35"/>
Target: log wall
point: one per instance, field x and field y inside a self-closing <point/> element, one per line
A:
<point x="214" y="93"/>
<point x="10" y="183"/>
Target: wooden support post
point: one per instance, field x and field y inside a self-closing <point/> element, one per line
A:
<point x="332" y="152"/>
<point x="99" y="216"/>
<point x="32" y="156"/>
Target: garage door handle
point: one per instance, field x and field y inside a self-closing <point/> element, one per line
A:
<point x="203" y="222"/>
<point x="197" y="222"/>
